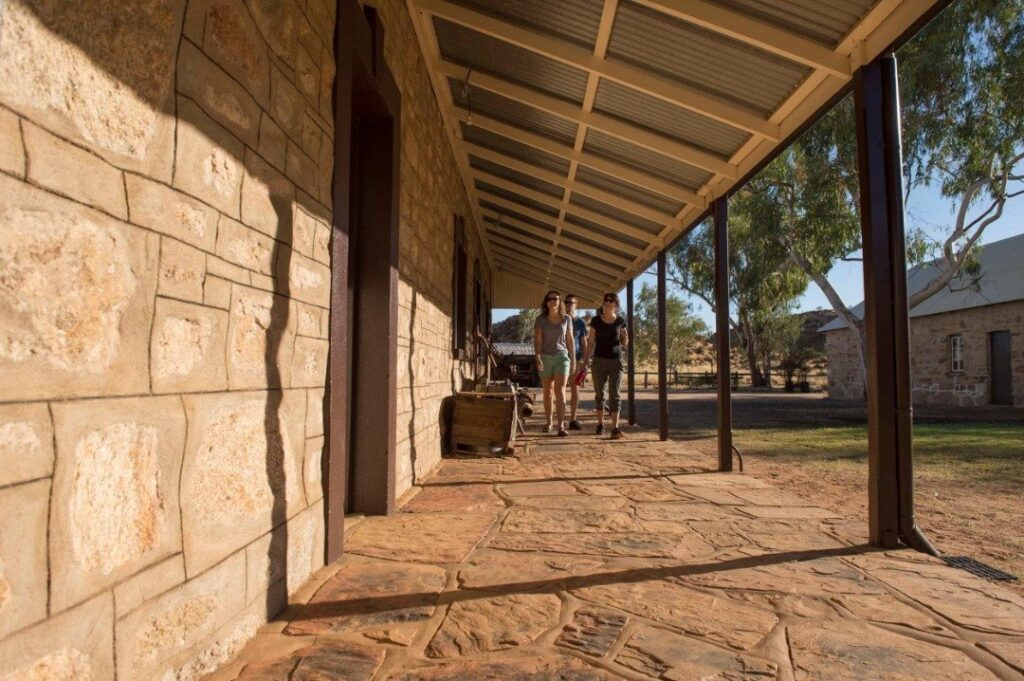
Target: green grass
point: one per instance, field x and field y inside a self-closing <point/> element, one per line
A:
<point x="987" y="453"/>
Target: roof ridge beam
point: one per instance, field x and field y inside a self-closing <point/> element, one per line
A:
<point x="629" y="132"/>
<point x="677" y="93"/>
<point x="754" y="32"/>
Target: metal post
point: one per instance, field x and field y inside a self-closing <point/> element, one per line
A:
<point x="721" y="216"/>
<point x="886" y="317"/>
<point x="630" y="361"/>
<point x="662" y="350"/>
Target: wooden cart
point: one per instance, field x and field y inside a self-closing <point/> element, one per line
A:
<point x="484" y="422"/>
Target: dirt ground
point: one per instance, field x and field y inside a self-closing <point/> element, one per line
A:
<point x="963" y="508"/>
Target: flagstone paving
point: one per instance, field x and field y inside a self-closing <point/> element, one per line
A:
<point x="582" y="559"/>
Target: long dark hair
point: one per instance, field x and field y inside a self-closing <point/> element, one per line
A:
<point x="544" y="303"/>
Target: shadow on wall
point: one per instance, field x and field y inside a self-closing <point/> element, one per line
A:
<point x="204" y="111"/>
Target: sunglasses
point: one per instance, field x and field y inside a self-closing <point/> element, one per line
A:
<point x="609" y="300"/>
<point x="548" y="300"/>
<point x="570" y="301"/>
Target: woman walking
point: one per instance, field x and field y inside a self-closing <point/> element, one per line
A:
<point x="555" y="354"/>
<point x="607" y="340"/>
<point x="579" y="339"/>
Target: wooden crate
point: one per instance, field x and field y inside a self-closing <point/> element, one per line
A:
<point x="484" y="420"/>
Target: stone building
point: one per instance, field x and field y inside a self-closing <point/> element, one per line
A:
<point x="967" y="341"/>
<point x="246" y="246"/>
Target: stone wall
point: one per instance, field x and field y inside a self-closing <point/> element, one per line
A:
<point x="432" y="194"/>
<point x="932" y="376"/>
<point x="164" y="288"/>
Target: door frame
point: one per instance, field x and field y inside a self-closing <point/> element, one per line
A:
<point x="364" y="90"/>
<point x="992" y="366"/>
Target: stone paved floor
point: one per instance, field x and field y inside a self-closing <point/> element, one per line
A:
<point x="587" y="559"/>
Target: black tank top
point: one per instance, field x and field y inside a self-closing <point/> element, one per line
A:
<point x="607" y="344"/>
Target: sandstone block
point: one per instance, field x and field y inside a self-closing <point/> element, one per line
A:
<point x="218" y="94"/>
<point x="26" y="443"/>
<point x="113" y="454"/>
<point x="307" y="77"/>
<point x="308" y="318"/>
<point x="245" y="247"/>
<point x="309" y="363"/>
<point x="158" y="634"/>
<point x="91" y="339"/>
<point x="12" y="151"/>
<point x="225" y="270"/>
<point x="148" y="584"/>
<point x="286" y="104"/>
<point x="309" y="40"/>
<point x="658" y="653"/>
<point x="162" y="209"/>
<point x="267" y="198"/>
<point x="187" y="351"/>
<point x="322" y="245"/>
<point x="303" y="170"/>
<point x="209" y="159"/>
<point x="23" y="571"/>
<point x="261" y="326"/>
<point x="243" y="470"/>
<point x="273" y="142"/>
<point x="327" y="72"/>
<point x="263" y="282"/>
<point x="182" y="270"/>
<point x="74" y="172"/>
<point x="309" y="281"/>
<point x="290" y="552"/>
<point x="415" y="537"/>
<point x="303" y="231"/>
<point x="312" y="475"/>
<point x="311" y="135"/>
<point x="110" y="88"/>
<point x="77" y="644"/>
<point x="495" y="623"/>
<point x="217" y="292"/>
<point x="326" y="177"/>
<point x="314" y="412"/>
<point x="219" y="648"/>
<point x="232" y="40"/>
<point x="278" y="21"/>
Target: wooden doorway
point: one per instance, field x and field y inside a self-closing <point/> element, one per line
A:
<point x="361" y="401"/>
<point x="999" y="367"/>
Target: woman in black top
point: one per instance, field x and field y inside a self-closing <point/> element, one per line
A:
<point x="607" y="341"/>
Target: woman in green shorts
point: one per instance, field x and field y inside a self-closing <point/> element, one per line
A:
<point x="555" y="354"/>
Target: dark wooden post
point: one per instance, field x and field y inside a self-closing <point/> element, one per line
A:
<point x="630" y="362"/>
<point x="662" y="349"/>
<point x="886" y="317"/>
<point x="721" y="217"/>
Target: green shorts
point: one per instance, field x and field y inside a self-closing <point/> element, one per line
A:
<point x="554" y="365"/>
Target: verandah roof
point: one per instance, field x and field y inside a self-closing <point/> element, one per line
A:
<point x="592" y="133"/>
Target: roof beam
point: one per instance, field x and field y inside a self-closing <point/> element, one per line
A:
<point x="538" y="268"/>
<point x="596" y="264"/>
<point x="623" y="172"/>
<point x="526" y="251"/>
<point x="566" y="225"/>
<point x="754" y="32"/>
<point x="574" y="277"/>
<point x="691" y="98"/>
<point x="631" y="133"/>
<point x="492" y="219"/>
<point x="553" y="202"/>
<point x="573" y="185"/>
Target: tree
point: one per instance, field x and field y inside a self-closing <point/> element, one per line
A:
<point x="682" y="327"/>
<point x="762" y="280"/>
<point x="961" y="85"/>
<point x="516" y="329"/>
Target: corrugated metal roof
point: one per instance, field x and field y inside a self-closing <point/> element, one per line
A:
<point x="627" y="190"/>
<point x="516" y="198"/>
<point x="523" y="116"/>
<point x="603" y="231"/>
<point x="667" y="119"/>
<point x="487" y="205"/>
<point x="515" y="176"/>
<point x="484" y="53"/>
<point x="571" y="266"/>
<point x="826" y="21"/>
<point x="616" y="213"/>
<point x="510" y="147"/>
<point x="1001" y="281"/>
<point x="503" y="225"/>
<point x="736" y="72"/>
<point x="573" y="20"/>
<point x="641" y="158"/>
<point x="567" y="247"/>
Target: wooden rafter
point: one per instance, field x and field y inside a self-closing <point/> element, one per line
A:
<point x="544" y="245"/>
<point x="500" y="222"/>
<point x="688" y="97"/>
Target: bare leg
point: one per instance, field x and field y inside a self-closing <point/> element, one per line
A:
<point x="559" y="382"/>
<point x="547" y="383"/>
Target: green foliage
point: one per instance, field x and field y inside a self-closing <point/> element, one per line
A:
<point x="516" y="329"/>
<point x="683" y="327"/>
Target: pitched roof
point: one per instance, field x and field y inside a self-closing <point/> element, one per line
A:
<point x="1002" y="281"/>
<point x="514" y="348"/>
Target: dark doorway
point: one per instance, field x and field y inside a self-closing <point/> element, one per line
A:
<point x="999" y="367"/>
<point x="361" y="401"/>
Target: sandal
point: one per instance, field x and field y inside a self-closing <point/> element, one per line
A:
<point x="562" y="432"/>
<point x="618" y="434"/>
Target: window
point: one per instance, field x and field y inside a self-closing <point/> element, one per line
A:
<point x="459" y="298"/>
<point x="956" y="353"/>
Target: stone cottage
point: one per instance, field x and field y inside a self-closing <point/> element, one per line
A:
<point x="967" y="341"/>
<point x="246" y="247"/>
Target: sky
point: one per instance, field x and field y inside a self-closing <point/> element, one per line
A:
<point x="926" y="209"/>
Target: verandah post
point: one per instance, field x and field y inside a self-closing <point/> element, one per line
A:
<point x="720" y="210"/>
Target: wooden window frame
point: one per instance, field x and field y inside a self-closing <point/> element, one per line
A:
<point x="460" y="261"/>
<point x="956" y="353"/>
